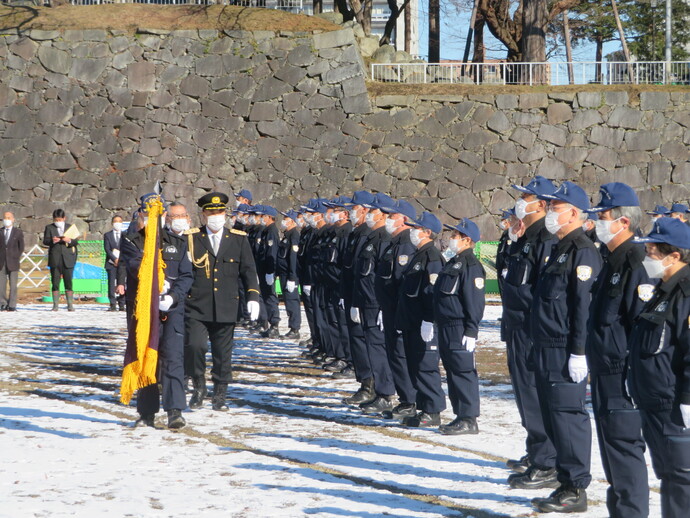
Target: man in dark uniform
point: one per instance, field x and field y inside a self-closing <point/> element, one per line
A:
<point x="366" y="308"/>
<point x="303" y="256"/>
<point x="679" y="211"/>
<point x="558" y="324"/>
<point x="389" y="274"/>
<point x="219" y="256"/>
<point x="659" y="377"/>
<point x="244" y="197"/>
<point x="178" y="280"/>
<point x="528" y="256"/>
<point x="503" y="248"/>
<point x="62" y="257"/>
<point x="266" y="268"/>
<point x="111" y="246"/>
<point x="255" y="235"/>
<point x="415" y="319"/>
<point x="618" y="297"/>
<point x="458" y="309"/>
<point x="286" y="269"/>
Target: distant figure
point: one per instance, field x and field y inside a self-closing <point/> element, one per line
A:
<point x="111" y="244"/>
<point x="62" y="256"/>
<point x="11" y="250"/>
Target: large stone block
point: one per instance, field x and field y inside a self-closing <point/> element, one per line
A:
<point x="656" y="101"/>
<point x="557" y="113"/>
<point x="499" y="122"/>
<point x="553" y="169"/>
<point x="504" y="151"/>
<point x="270" y="89"/>
<point x="54" y="112"/>
<point x="141" y="76"/>
<point x="195" y="86"/>
<point x="625" y="117"/>
<point x="87" y="70"/>
<point x="552" y="134"/>
<point x="676" y="152"/>
<point x="589" y="99"/>
<point x="462" y="205"/>
<point x="479" y="138"/>
<point x="584" y="119"/>
<point x="603" y="157"/>
<point x="530" y="101"/>
<point x="642" y="140"/>
<point x="608" y="137"/>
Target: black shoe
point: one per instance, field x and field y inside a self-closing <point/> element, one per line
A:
<point x="321" y="359"/>
<point x="112" y="308"/>
<point x="423" y="420"/>
<point x="518" y="466"/>
<point x="347" y="373"/>
<point x="145" y="420"/>
<point x="534" y="478"/>
<point x="199" y="392"/>
<point x="402" y="411"/>
<point x="306" y="342"/>
<point x="563" y="500"/>
<point x="121" y="308"/>
<point x="175" y="419"/>
<point x="335" y="366"/>
<point x="460" y="426"/>
<point x="365" y="394"/>
<point x="271" y="333"/>
<point x="380" y="405"/>
<point x="3" y="308"/>
<point x="11" y="309"/>
<point x="292" y="334"/>
<point x="218" y="399"/>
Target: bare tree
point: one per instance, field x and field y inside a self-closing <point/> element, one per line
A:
<point x="392" y="21"/>
<point x="434" y="31"/>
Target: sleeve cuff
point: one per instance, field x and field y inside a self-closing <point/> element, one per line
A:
<point x="685" y="398"/>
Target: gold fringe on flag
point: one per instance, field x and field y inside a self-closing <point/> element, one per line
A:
<point x="142" y="372"/>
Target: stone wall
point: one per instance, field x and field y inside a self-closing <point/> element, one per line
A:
<point x="89" y="120"/>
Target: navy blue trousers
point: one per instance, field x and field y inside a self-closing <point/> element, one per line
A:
<point x="397" y="359"/>
<point x="358" y="348"/>
<point x="461" y="371"/>
<point x="308" y="311"/>
<point x="338" y="328"/>
<point x="619" y="430"/>
<point x="422" y="363"/>
<point x="291" y="305"/>
<point x="378" y="357"/>
<point x="221" y="335"/>
<point x="270" y="299"/>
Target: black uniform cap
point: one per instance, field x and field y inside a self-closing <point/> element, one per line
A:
<point x="213" y="200"/>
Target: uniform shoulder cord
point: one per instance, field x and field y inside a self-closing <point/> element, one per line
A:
<point x="203" y="261"/>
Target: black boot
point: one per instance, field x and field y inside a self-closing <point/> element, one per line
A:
<point x="534" y="478"/>
<point x="347" y="373"/>
<point x="564" y="500"/>
<point x="175" y="419"/>
<point x="69" y="295"/>
<point x="56" y="300"/>
<point x="460" y="426"/>
<point x="199" y="392"/>
<point x="402" y="411"/>
<point x="423" y="420"/>
<point x="335" y="366"/>
<point x="380" y="405"/>
<point x="365" y="394"/>
<point x="145" y="420"/>
<point x="219" y="394"/>
<point x="292" y="334"/>
<point x="518" y="465"/>
<point x="271" y="333"/>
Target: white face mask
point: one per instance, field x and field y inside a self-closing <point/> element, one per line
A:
<point x="521" y="208"/>
<point x="60" y="225"/>
<point x="215" y="222"/>
<point x="283" y="224"/>
<point x="454" y="246"/>
<point x="654" y="267"/>
<point x="179" y="225"/>
<point x="369" y="220"/>
<point x="300" y="222"/>
<point x="551" y="221"/>
<point x="391" y="225"/>
<point x="237" y="203"/>
<point x="117" y="227"/>
<point x="7" y="223"/>
<point x="252" y="220"/>
<point x="513" y="236"/>
<point x="414" y="236"/>
<point x="354" y="216"/>
<point x="313" y="221"/>
<point x="603" y="230"/>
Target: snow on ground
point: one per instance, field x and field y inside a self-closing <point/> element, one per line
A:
<point x="287" y="446"/>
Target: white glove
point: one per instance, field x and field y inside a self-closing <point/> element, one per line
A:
<point x="165" y="303"/>
<point x="341" y="303"/>
<point x="270" y="278"/>
<point x="469" y="343"/>
<point x="685" y="412"/>
<point x="116" y="253"/>
<point x="427" y="331"/>
<point x="166" y="287"/>
<point x="253" y="308"/>
<point x="354" y="315"/>
<point x="306" y="290"/>
<point x="577" y="367"/>
<point x="290" y="286"/>
<point x="379" y="320"/>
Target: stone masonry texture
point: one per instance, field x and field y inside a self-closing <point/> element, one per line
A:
<point x="90" y="120"/>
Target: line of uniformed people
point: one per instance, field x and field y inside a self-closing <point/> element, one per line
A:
<point x="616" y="310"/>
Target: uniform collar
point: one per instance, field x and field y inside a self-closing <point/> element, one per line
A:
<point x="680" y="275"/>
<point x="570" y="237"/>
<point x="617" y="257"/>
<point x="534" y="229"/>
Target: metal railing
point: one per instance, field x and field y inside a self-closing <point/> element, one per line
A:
<point x="294" y="6"/>
<point x="504" y="73"/>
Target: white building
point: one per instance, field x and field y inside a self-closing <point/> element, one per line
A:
<point x="379" y="16"/>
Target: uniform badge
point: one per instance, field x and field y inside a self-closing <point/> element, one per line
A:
<point x="334" y="240"/>
<point x="258" y="240"/>
<point x="170" y="249"/>
<point x="662" y="306"/>
<point x="370" y="248"/>
<point x="645" y="292"/>
<point x="525" y="249"/>
<point x="457" y="266"/>
<point x="270" y="242"/>
<point x="402" y="259"/>
<point x="615" y="278"/>
<point x="584" y="272"/>
<point x="546" y="259"/>
<point x="504" y="273"/>
<point x="563" y="258"/>
<point x="417" y="267"/>
<point x="295" y="248"/>
<point x="479" y="282"/>
<point x="432" y="278"/>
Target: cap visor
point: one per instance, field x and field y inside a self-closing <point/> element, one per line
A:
<point x="648" y="240"/>
<point x="522" y="189"/>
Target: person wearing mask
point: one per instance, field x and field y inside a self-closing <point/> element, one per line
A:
<point x="219" y="256"/>
<point x="244" y="197"/>
<point x="11" y="250"/>
<point x="62" y="256"/>
<point x="533" y="244"/>
<point x="286" y="269"/>
<point x="306" y="238"/>
<point x="503" y="248"/>
<point x="177" y="220"/>
<point x="679" y="211"/>
<point x="458" y="309"/>
<point x="558" y="323"/>
<point x="255" y="233"/>
<point x="659" y="376"/>
<point x="620" y="292"/>
<point x="266" y="268"/>
<point x="659" y="212"/>
<point x="111" y="245"/>
<point x="415" y="319"/>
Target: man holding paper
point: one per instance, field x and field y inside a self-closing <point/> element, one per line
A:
<point x="62" y="256"/>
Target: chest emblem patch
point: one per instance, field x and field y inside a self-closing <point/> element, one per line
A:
<point x="417" y="267"/>
<point x="584" y="272"/>
<point x="432" y="278"/>
<point x="662" y="306"/>
<point x="615" y="278"/>
<point x="457" y="266"/>
<point x="171" y="249"/>
<point x="645" y="292"/>
<point x="479" y="283"/>
<point x="562" y="258"/>
<point x="295" y="248"/>
<point x="403" y="259"/>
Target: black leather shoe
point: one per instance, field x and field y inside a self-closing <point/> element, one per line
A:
<point x="423" y="420"/>
<point x="198" y="393"/>
<point x="145" y="420"/>
<point x="534" y="478"/>
<point x="271" y="333"/>
<point x="175" y="419"/>
<point x="218" y="399"/>
<point x="11" y="308"/>
<point x="460" y="426"/>
<point x="306" y="342"/>
<point x="121" y="308"/>
<point x="347" y="373"/>
<point x="365" y="394"/>
<point x="402" y="411"/>
<point x="292" y="334"/>
<point x="380" y="405"/>
<point x="335" y="366"/>
<point x="112" y="308"/>
<point x="3" y="308"/>
<point x="563" y="500"/>
<point x="520" y="465"/>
